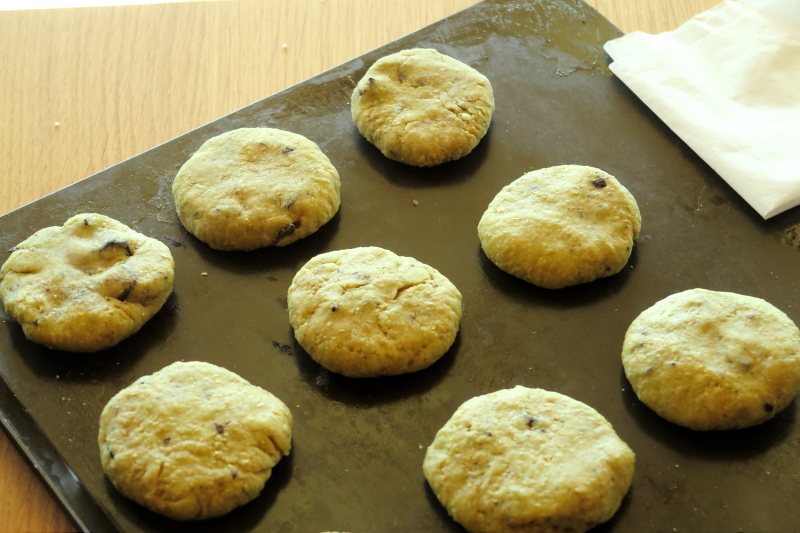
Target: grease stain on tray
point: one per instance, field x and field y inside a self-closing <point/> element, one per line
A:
<point x="790" y="236"/>
<point x="707" y="204"/>
<point x="285" y="349"/>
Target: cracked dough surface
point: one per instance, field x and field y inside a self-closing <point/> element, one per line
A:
<point x="561" y="226"/>
<point x="528" y="461"/>
<point x="422" y="108"/>
<point x="86" y="285"/>
<point x="366" y="312"/>
<point x="193" y="440"/>
<point x="256" y="187"/>
<point x="711" y="360"/>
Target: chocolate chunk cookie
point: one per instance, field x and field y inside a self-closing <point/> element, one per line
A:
<point x="528" y="461"/>
<point x="256" y="187"/>
<point x="422" y="108"/>
<point x="193" y="440"/>
<point x="87" y="285"/>
<point x="712" y="360"/>
<point x="367" y="312"/>
<point x="561" y="226"/>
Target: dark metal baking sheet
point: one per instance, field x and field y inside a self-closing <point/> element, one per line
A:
<point x="359" y="444"/>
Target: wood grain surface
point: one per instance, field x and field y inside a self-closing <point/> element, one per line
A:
<point x="85" y="88"/>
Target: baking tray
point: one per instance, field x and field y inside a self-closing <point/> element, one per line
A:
<point x="359" y="444"/>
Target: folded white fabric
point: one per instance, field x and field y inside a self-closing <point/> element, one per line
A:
<point x="728" y="83"/>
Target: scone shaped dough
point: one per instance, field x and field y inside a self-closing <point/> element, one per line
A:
<point x="561" y="226"/>
<point x="193" y="440"/>
<point x="713" y="360"/>
<point x="528" y="461"/>
<point x="256" y="187"/>
<point x="422" y="108"/>
<point x="366" y="312"/>
<point x="87" y="285"/>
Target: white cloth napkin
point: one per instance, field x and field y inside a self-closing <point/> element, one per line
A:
<point x="728" y="83"/>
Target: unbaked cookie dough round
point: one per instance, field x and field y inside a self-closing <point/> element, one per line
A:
<point x="87" y="285"/>
<point x="366" y="312"/>
<point x="711" y="360"/>
<point x="422" y="108"/>
<point x="528" y="461"/>
<point x="193" y="440"/>
<point x="256" y="187"/>
<point x="561" y="226"/>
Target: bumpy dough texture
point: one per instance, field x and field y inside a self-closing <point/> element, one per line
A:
<point x="367" y="312"/>
<point x="87" y="285"/>
<point x="713" y="360"/>
<point x="561" y="226"/>
<point x="422" y="108"/>
<point x="528" y="461"/>
<point x="193" y="440"/>
<point x="256" y="187"/>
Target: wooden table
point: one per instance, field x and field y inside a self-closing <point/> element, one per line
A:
<point x="83" y="89"/>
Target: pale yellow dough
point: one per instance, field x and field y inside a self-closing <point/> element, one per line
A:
<point x="422" y="108"/>
<point x="193" y="440"/>
<point x="713" y="360"/>
<point x="87" y="285"/>
<point x="528" y="461"/>
<point x="561" y="226"/>
<point x="256" y="187"/>
<point x="367" y="312"/>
